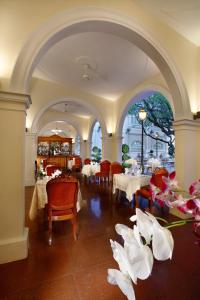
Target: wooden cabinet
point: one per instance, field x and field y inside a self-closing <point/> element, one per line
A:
<point x="54" y="150"/>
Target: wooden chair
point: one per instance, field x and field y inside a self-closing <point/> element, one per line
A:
<point x="62" y="198"/>
<point x="104" y="171"/>
<point x="115" y="168"/>
<point x="78" y="163"/>
<point x="50" y="169"/>
<point x="87" y="161"/>
<point x="161" y="171"/>
<point x="145" y="191"/>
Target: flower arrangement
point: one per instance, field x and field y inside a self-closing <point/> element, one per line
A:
<point x="148" y="239"/>
<point x="41" y="174"/>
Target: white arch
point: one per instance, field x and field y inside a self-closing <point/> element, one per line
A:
<point x="80" y="20"/>
<point x="63" y="100"/>
<point x="54" y="119"/>
<point x="135" y="96"/>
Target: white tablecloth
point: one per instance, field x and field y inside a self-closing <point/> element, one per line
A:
<point x="90" y="170"/>
<point x="39" y="198"/>
<point x="129" y="183"/>
<point x="70" y="163"/>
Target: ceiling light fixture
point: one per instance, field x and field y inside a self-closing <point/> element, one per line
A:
<point x="85" y="75"/>
<point x="56" y="131"/>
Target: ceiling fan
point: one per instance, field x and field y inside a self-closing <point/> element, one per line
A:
<point x="88" y="68"/>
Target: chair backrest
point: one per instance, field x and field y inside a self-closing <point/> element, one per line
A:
<point x="157" y="180"/>
<point x="45" y="163"/>
<point x="62" y="192"/>
<point x="50" y="169"/>
<point x="161" y="171"/>
<point x="87" y="161"/>
<point x="78" y="161"/>
<point x="105" y="166"/>
<point x="116" y="168"/>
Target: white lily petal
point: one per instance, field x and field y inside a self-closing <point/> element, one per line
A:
<point x="141" y="260"/>
<point x="133" y="218"/>
<point x="126" y="232"/>
<point x="162" y="243"/>
<point x="118" y="278"/>
<point x="120" y="255"/>
<point x="144" y="225"/>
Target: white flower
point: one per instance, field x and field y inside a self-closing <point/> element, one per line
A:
<point x="144" y="224"/>
<point x="139" y="256"/>
<point x="120" y="255"/>
<point x="149" y="228"/>
<point x="118" y="278"/>
<point x="162" y="240"/>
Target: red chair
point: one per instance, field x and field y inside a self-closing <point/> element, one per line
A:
<point x="116" y="168"/>
<point x="104" y="170"/>
<point x="145" y="191"/>
<point x="62" y="198"/>
<point x="78" y="163"/>
<point x="50" y="169"/>
<point x="87" y="161"/>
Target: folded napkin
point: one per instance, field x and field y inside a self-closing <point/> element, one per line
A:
<point x="56" y="173"/>
<point x="154" y="163"/>
<point x="131" y="161"/>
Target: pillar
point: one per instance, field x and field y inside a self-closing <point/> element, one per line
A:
<point x="13" y="234"/>
<point x="187" y="149"/>
<point x="30" y="157"/>
<point x="85" y="149"/>
<point x="112" y="148"/>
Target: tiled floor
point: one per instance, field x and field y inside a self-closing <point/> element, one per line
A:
<point x="77" y="270"/>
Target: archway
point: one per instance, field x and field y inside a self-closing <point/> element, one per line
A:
<point x="100" y="20"/>
<point x="93" y="110"/>
<point x="157" y="134"/>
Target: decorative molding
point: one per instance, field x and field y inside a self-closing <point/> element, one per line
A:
<point x="16" y="98"/>
<point x="185" y="124"/>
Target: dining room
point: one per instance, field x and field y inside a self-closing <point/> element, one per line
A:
<point x="99" y="123"/>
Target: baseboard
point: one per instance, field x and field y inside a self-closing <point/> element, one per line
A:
<point x="14" y="249"/>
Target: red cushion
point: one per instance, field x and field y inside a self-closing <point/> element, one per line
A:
<point x="61" y="212"/>
<point x="145" y="192"/>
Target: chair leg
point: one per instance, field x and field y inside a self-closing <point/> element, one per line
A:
<point x="74" y="225"/>
<point x="50" y="231"/>
<point x="136" y="200"/>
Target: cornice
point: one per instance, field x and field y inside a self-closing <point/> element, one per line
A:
<point x="16" y="97"/>
<point x="186" y="124"/>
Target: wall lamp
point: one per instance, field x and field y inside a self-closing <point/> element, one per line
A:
<point x="85" y="141"/>
<point x="196" y="115"/>
<point x="110" y="134"/>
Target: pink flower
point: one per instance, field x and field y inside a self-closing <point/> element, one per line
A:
<point x="194" y="189"/>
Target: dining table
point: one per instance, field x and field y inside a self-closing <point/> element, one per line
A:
<point x="39" y="198"/>
<point x="129" y="183"/>
<point x="90" y="170"/>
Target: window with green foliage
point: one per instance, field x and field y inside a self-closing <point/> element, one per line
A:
<point x="96" y="154"/>
<point x="159" y="114"/>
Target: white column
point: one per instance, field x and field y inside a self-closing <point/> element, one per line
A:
<point x="187" y="151"/>
<point x="85" y="149"/>
<point x="13" y="234"/>
<point x="112" y="148"/>
<point x="30" y="157"/>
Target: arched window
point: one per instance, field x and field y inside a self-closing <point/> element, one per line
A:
<point x="96" y="137"/>
<point x="77" y="145"/>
